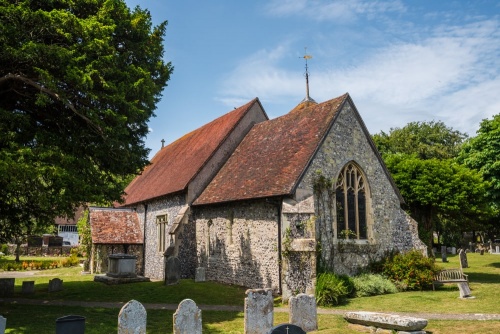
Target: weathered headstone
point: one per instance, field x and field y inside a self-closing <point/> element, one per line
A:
<point x="200" y="274"/>
<point x="464" y="290"/>
<point x="287" y="329"/>
<point x="7" y="287"/>
<point x="132" y="318"/>
<point x="3" y="324"/>
<point x="258" y="311"/>
<point x="187" y="318"/>
<point x="471" y="246"/>
<point x="55" y="285"/>
<point x="172" y="270"/>
<point x="453" y="250"/>
<point x="463" y="259"/>
<point x="303" y="312"/>
<point x="28" y="287"/>
<point x="497" y="249"/>
<point x="443" y="254"/>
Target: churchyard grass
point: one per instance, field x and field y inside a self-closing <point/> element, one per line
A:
<point x="484" y="275"/>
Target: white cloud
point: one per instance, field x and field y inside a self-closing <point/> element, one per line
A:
<point x="453" y="75"/>
<point x="342" y="10"/>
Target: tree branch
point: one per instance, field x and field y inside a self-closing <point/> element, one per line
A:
<point x="49" y="92"/>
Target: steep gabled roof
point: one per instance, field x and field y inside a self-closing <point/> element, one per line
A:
<point x="175" y="165"/>
<point x="115" y="226"/>
<point x="272" y="157"/>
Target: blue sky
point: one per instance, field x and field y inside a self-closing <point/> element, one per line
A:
<point x="400" y="61"/>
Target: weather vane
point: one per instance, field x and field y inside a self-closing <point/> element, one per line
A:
<point x="306" y="57"/>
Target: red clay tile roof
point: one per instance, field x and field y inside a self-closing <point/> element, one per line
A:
<point x="175" y="165"/>
<point x="115" y="226"/>
<point x="272" y="157"/>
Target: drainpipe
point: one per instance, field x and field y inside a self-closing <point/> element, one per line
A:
<point x="144" y="241"/>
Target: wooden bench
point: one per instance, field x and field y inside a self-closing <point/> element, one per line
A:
<point x="450" y="276"/>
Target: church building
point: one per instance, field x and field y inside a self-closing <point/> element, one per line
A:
<point x="266" y="203"/>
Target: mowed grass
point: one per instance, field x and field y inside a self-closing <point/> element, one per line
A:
<point x="484" y="277"/>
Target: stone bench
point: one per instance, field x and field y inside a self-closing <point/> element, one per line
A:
<point x="391" y="322"/>
<point x="450" y="276"/>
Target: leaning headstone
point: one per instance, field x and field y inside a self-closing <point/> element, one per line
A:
<point x="55" y="285"/>
<point x="258" y="311"/>
<point x="28" y="287"/>
<point x="3" y="324"/>
<point x="287" y="329"/>
<point x="132" y="318"/>
<point x="187" y="318"/>
<point x="464" y="290"/>
<point x="443" y="254"/>
<point x="463" y="259"/>
<point x="200" y="274"/>
<point x="303" y="312"/>
<point x="7" y="287"/>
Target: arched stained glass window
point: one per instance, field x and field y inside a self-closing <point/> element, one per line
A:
<point x="350" y="194"/>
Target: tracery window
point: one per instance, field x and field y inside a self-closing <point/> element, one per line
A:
<point x="350" y="195"/>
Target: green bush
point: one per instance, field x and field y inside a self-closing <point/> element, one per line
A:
<point x="411" y="270"/>
<point x="372" y="285"/>
<point x="4" y="248"/>
<point x="332" y="289"/>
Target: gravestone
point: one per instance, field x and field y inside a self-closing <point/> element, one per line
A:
<point x="28" y="287"/>
<point x="55" y="285"/>
<point x="471" y="246"/>
<point x="443" y="254"/>
<point x="464" y="290"/>
<point x="7" y="287"/>
<point x="70" y="324"/>
<point x="187" y="318"/>
<point x="497" y="249"/>
<point x="3" y="324"/>
<point x="303" y="312"/>
<point x="200" y="274"/>
<point x="258" y="311"/>
<point x="172" y="266"/>
<point x="287" y="329"/>
<point x="463" y="259"/>
<point x="132" y="318"/>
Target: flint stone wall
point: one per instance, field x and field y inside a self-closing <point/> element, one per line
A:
<point x="154" y="259"/>
<point x="388" y="225"/>
<point x="238" y="243"/>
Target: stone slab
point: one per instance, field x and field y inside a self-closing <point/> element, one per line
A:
<point x="119" y="280"/>
<point x="172" y="270"/>
<point x="55" y="285"/>
<point x="386" y="321"/>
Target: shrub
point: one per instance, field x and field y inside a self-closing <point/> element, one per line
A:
<point x="411" y="270"/>
<point x="372" y="285"/>
<point x="332" y="289"/>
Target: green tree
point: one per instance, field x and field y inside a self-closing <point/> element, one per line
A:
<point x="433" y="188"/>
<point x="426" y="140"/>
<point x="79" y="80"/>
<point x="482" y="153"/>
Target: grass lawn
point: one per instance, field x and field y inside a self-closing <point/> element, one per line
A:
<point x="484" y="276"/>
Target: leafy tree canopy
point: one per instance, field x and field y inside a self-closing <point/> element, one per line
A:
<point x="425" y="139"/>
<point x="483" y="153"/>
<point x="79" y="80"/>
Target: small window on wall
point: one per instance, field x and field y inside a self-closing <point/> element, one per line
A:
<point x="350" y="195"/>
<point x="161" y="228"/>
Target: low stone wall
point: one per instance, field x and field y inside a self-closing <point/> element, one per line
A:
<point x="41" y="251"/>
